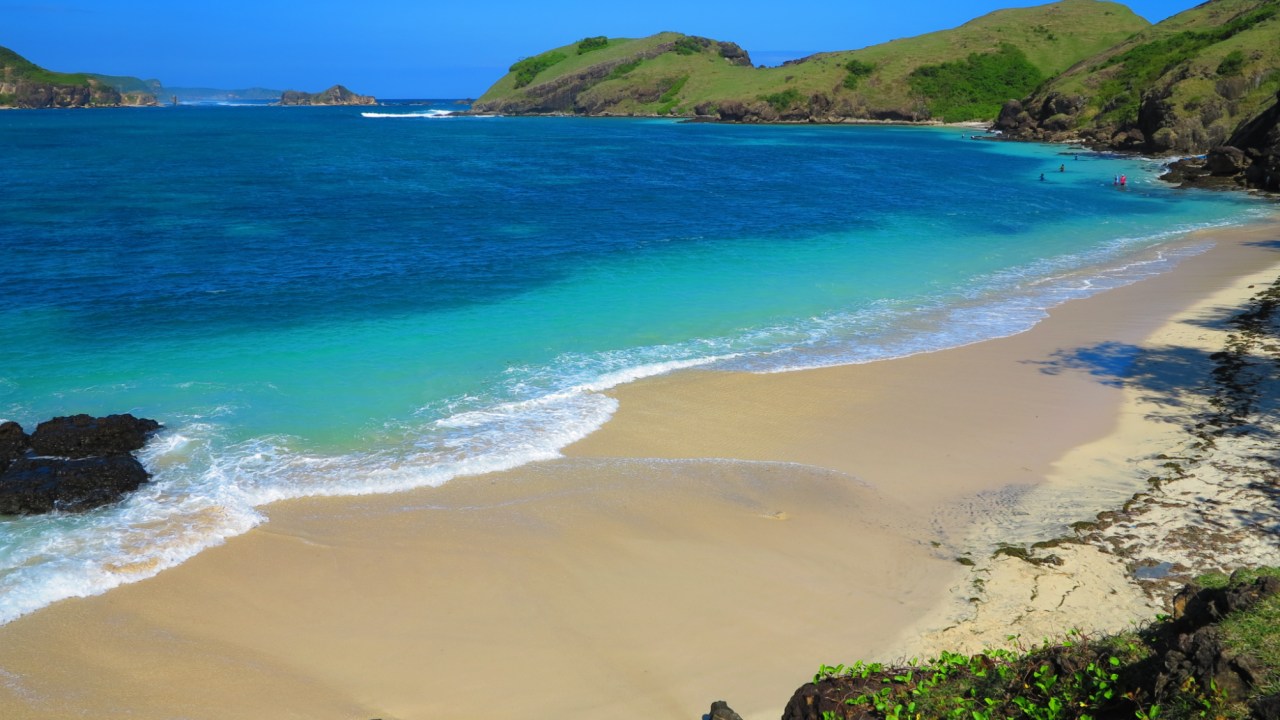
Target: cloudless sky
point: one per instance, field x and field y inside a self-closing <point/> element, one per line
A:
<point x="435" y="49"/>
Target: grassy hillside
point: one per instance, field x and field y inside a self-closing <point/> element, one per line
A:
<point x="25" y="84"/>
<point x="958" y="74"/>
<point x="1184" y="84"/>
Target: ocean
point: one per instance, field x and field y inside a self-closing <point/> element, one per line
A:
<point x="340" y="301"/>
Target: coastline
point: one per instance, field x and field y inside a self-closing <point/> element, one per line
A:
<point x="611" y="580"/>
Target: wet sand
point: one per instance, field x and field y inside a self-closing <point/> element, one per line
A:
<point x="719" y="538"/>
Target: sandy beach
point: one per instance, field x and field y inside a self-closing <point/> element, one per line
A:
<point x="719" y="538"/>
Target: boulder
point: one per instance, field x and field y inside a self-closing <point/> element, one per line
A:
<point x="1267" y="708"/>
<point x="14" y="443"/>
<point x="720" y="710"/>
<point x="1011" y="116"/>
<point x="40" y="485"/>
<point x="80" y="436"/>
<point x="1227" y="160"/>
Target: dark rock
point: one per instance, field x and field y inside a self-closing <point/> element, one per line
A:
<point x="39" y="485"/>
<point x="1010" y="117"/>
<point x="1267" y="708"/>
<point x="14" y="443"/>
<point x="1059" y="104"/>
<point x="336" y="95"/>
<point x="80" y="436"/>
<point x="720" y="710"/>
<point x="734" y="54"/>
<point x="828" y="699"/>
<point x="733" y="111"/>
<point x="1227" y="160"/>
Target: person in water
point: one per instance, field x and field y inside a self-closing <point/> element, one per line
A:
<point x="1042" y="177"/>
<point x="1062" y="168"/>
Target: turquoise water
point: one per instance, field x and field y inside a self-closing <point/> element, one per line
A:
<point x="318" y="302"/>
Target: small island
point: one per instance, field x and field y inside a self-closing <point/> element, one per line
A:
<point x="336" y="95"/>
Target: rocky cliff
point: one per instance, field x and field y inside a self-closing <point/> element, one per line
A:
<point x="24" y="84"/>
<point x="1185" y="85"/>
<point x="336" y="95"/>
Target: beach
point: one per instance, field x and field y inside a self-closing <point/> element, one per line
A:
<point x="720" y="537"/>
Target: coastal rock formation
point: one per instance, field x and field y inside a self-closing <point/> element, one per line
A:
<point x="1251" y="158"/>
<point x="13" y="443"/>
<point x="71" y="463"/>
<point x="23" y="84"/>
<point x="39" y="485"/>
<point x="81" y="436"/>
<point x="1187" y="85"/>
<point x="336" y="95"/>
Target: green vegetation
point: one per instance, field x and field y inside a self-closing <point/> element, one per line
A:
<point x="857" y="70"/>
<point x="1080" y="678"/>
<point x="870" y="83"/>
<point x="586" y="45"/>
<point x="625" y="68"/>
<point x="526" y="70"/>
<point x="1142" y="65"/>
<point x="978" y="85"/>
<point x="21" y="68"/>
<point x="780" y="101"/>
<point x="687" y="45"/>
<point x="668" y="100"/>
<point x="1232" y="64"/>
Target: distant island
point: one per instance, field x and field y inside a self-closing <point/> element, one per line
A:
<point x="336" y="95"/>
<point x="203" y="94"/>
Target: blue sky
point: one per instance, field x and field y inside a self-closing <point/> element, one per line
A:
<point x="428" y="48"/>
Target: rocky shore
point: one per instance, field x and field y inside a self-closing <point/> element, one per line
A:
<point x="71" y="463"/>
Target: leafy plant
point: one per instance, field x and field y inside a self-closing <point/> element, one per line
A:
<point x="687" y="45"/>
<point x="669" y="97"/>
<point x="857" y="70"/>
<point x="780" y="101"/>
<point x="599" y="42"/>
<point x="624" y="68"/>
<point x="977" y="86"/>
<point x="527" y="69"/>
<point x="1232" y="64"/>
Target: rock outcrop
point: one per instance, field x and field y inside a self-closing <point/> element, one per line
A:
<point x="336" y="95"/>
<point x="1250" y="159"/>
<point x="71" y="463"/>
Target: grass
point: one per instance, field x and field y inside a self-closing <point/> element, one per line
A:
<point x="526" y="70"/>
<point x="874" y="78"/>
<point x="1076" y="679"/>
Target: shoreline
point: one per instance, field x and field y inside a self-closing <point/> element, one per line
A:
<point x="644" y="565"/>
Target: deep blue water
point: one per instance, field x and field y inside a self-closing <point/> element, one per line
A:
<point x="318" y="302"/>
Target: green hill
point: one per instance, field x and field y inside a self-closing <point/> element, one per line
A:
<point x="1185" y="84"/>
<point x="960" y="74"/>
<point x="27" y="85"/>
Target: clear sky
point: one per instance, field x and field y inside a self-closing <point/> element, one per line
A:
<point x="435" y="49"/>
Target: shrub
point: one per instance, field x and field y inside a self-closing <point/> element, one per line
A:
<point x="687" y="46"/>
<point x="526" y="70"/>
<point x="783" y="100"/>
<point x="977" y="86"/>
<point x="599" y="42"/>
<point x="1232" y="64"/>
<point x="857" y="70"/>
<point x="1144" y="64"/>
<point x="624" y="68"/>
